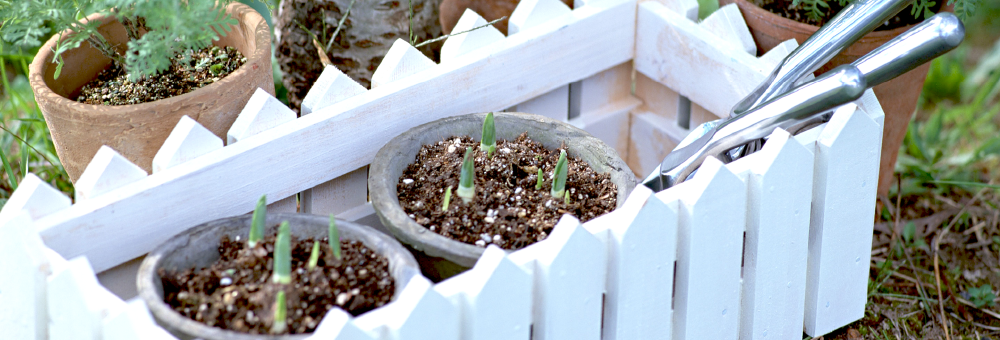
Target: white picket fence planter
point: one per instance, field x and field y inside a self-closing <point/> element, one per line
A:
<point x="761" y="248"/>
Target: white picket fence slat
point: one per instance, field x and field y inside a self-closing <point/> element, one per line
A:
<point x="760" y="248"/>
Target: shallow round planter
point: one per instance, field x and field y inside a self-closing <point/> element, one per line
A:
<point x="137" y="131"/>
<point x="439" y="256"/>
<point x="198" y="248"/>
<point x="898" y="97"/>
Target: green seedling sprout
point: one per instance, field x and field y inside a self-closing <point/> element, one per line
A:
<point x="489" y="141"/>
<point x="257" y="224"/>
<point x="466" y="187"/>
<point x="559" y="180"/>
<point x="538" y="183"/>
<point x="280" y="324"/>
<point x="313" y="257"/>
<point x="566" y="200"/>
<point x="334" y="236"/>
<point x="283" y="256"/>
<point x="447" y="199"/>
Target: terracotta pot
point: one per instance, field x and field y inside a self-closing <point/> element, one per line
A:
<point x="451" y="11"/>
<point x="441" y="257"/>
<point x="137" y="131"/>
<point x="898" y="96"/>
<point x="199" y="247"/>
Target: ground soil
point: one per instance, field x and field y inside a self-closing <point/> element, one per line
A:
<point x="785" y="9"/>
<point x="236" y="293"/>
<point x="188" y="72"/>
<point x="507" y="210"/>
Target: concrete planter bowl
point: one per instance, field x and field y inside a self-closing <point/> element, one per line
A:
<point x="198" y="247"/>
<point x="439" y="256"/>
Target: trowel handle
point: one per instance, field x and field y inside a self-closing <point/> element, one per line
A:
<point x="928" y="40"/>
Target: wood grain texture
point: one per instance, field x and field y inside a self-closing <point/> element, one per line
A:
<point x="107" y="171"/>
<point x="554" y="104"/>
<point x="331" y="87"/>
<point x="262" y="112"/>
<point x="188" y="140"/>
<point x="400" y="62"/>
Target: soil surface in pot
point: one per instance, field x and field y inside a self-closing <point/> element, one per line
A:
<point x="188" y="72"/>
<point x="236" y="292"/>
<point x="799" y="13"/>
<point x="508" y="210"/>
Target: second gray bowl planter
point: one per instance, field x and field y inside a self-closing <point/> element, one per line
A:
<point x="198" y="248"/>
<point x="439" y="256"/>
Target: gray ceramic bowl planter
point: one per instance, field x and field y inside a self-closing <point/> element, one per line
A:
<point x="439" y="256"/>
<point x="198" y="247"/>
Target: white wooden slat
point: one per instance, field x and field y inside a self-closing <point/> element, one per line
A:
<point x="700" y="115"/>
<point x="400" y="62"/>
<point x="610" y="124"/>
<point x="326" y="144"/>
<point x="331" y="87"/>
<point x="657" y="98"/>
<point x="77" y="304"/>
<point x="840" y="231"/>
<point x="107" y="171"/>
<point x="458" y="45"/>
<point x="530" y="13"/>
<point x="288" y="204"/>
<point x="25" y="269"/>
<point x="779" y="183"/>
<point x="569" y="269"/>
<point x="494" y="298"/>
<point x="554" y="104"/>
<point x="418" y="313"/>
<point x="652" y="138"/>
<point x="188" y="140"/>
<point x="727" y="23"/>
<point x="607" y="88"/>
<point x="35" y="197"/>
<point x="687" y="8"/>
<point x="709" y="252"/>
<point x="261" y="113"/>
<point x="870" y="105"/>
<point x="337" y="195"/>
<point x="338" y="325"/>
<point x="778" y="53"/>
<point x="133" y="322"/>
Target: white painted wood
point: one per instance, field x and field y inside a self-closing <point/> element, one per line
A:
<point x="458" y="45"/>
<point x="77" y="304"/>
<point x="494" y="298"/>
<point x="773" y="57"/>
<point x="840" y="231"/>
<point x="652" y="138"/>
<point x="331" y="87"/>
<point x="554" y="104"/>
<point x="133" y="322"/>
<point x="709" y="251"/>
<point x="400" y="62"/>
<point x="609" y="87"/>
<point x="530" y="13"/>
<point x="610" y="124"/>
<point x="107" y="171"/>
<point x="870" y="105"/>
<point x="25" y="268"/>
<point x="701" y="115"/>
<point x="35" y="197"/>
<point x="418" y="313"/>
<point x="657" y="98"/>
<point x="338" y="325"/>
<point x="261" y="113"/>
<point x="569" y="269"/>
<point x="288" y="204"/>
<point x="188" y="140"/>
<point x="687" y="8"/>
<point x="727" y="23"/>
<point x="779" y="183"/>
<point x="338" y="195"/>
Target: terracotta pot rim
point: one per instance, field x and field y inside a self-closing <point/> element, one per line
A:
<point x="749" y="8"/>
<point x="41" y="63"/>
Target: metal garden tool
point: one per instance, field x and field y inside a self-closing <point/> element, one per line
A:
<point x="810" y="104"/>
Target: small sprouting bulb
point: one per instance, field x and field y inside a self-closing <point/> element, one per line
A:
<point x="566" y="200"/>
<point x="489" y="141"/>
<point x="447" y="199"/>
<point x="313" y="257"/>
<point x="538" y="183"/>
<point x="334" y="237"/>
<point x="257" y="223"/>
<point x="280" y="324"/>
<point x="466" y="187"/>
<point x="283" y="256"/>
<point x="559" y="178"/>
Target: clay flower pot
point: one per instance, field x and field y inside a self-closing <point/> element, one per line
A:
<point x="198" y="248"/>
<point x="898" y="96"/>
<point x="137" y="131"/>
<point x="441" y="257"/>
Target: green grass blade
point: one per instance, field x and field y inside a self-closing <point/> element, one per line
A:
<point x="561" y="172"/>
<point x="257" y="223"/>
<point x="10" y="174"/>
<point x="489" y="141"/>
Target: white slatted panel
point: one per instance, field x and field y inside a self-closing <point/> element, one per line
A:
<point x="25" y="268"/>
<point x="107" y="171"/>
<point x="77" y="304"/>
<point x="338" y="325"/>
<point x="35" y="197"/>
<point x="400" y="62"/>
<point x="133" y="322"/>
<point x="418" y="313"/>
<point x="458" y="45"/>
<point x="188" y="140"/>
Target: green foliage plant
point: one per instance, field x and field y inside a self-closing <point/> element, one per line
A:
<point x="283" y="256"/>
<point x="489" y="141"/>
<point x="280" y="324"/>
<point x="559" y="176"/>
<point x="334" y="237"/>
<point x="982" y="296"/>
<point x="466" y="186"/>
<point x="171" y="27"/>
<point x="257" y="222"/>
<point x="919" y="9"/>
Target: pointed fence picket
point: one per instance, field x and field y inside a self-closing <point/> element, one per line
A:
<point x="760" y="248"/>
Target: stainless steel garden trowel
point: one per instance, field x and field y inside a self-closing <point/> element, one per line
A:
<point x="809" y="104"/>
